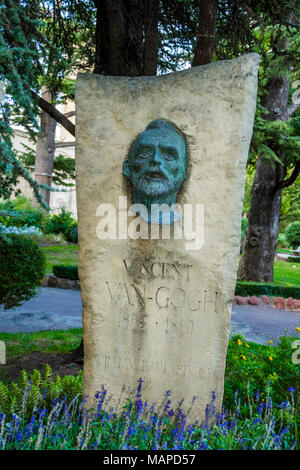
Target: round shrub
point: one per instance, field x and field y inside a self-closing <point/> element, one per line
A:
<point x="63" y="223"/>
<point x="22" y="267"/>
<point x="292" y="234"/>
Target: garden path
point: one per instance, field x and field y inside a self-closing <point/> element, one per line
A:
<point x="60" y="309"/>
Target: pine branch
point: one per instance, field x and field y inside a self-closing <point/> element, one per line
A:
<point x="289" y="181"/>
<point x="54" y="113"/>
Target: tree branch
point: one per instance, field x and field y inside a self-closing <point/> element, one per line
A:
<point x="289" y="181"/>
<point x="54" y="113"/>
<point x="69" y="114"/>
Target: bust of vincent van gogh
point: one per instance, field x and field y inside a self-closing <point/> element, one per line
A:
<point x="156" y="167"/>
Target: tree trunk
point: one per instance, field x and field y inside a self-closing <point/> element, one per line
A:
<point x="206" y="37"/>
<point x="150" y="51"/>
<point x="257" y="263"/>
<point x="262" y="232"/>
<point x="126" y="37"/>
<point x="45" y="148"/>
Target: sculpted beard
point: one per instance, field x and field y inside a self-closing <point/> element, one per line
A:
<point x="152" y="186"/>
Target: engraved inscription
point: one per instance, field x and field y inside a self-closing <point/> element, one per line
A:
<point x="179" y="327"/>
<point x="131" y="293"/>
<point x="165" y="298"/>
<point x="109" y="362"/>
<point x="129" y="320"/>
<point x="172" y="327"/>
<point x="187" y="368"/>
<point x="162" y="270"/>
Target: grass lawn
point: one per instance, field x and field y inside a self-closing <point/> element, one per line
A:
<point x="58" y="341"/>
<point x="58" y="254"/>
<point x="287" y="275"/>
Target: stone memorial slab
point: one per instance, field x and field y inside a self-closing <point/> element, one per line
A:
<point x="160" y="165"/>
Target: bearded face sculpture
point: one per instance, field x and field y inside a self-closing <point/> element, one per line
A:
<point x="156" y="165"/>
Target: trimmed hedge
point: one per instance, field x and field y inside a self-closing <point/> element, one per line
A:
<point x="66" y="272"/>
<point x="245" y="289"/>
<point x="293" y="259"/>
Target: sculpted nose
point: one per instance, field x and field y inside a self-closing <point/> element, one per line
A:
<point x="156" y="158"/>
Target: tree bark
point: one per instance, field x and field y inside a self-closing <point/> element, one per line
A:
<point x="206" y="37"/>
<point x="150" y="51"/>
<point x="45" y="148"/>
<point x="126" y="37"/>
<point x="259" y="247"/>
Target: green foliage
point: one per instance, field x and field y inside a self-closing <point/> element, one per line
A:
<point x="253" y="367"/>
<point x="140" y="427"/>
<point x="261" y="410"/>
<point x="63" y="167"/>
<point x="63" y="223"/>
<point x="38" y="390"/>
<point x="22" y="267"/>
<point x="273" y="32"/>
<point x="178" y="24"/>
<point x="292" y="234"/>
<point x="19" y="212"/>
<point x="60" y="254"/>
<point x="64" y="171"/>
<point x="293" y="259"/>
<point x="72" y="234"/>
<point x="20" y="203"/>
<point x="49" y="239"/>
<point x="21" y="51"/>
<point x="39" y="45"/>
<point x="271" y="139"/>
<point x="50" y="341"/>
<point x="19" y="219"/>
<point x="281" y="242"/>
<point x="249" y="177"/>
<point x="247" y="288"/>
<point x="66" y="272"/>
<point x="290" y="204"/>
<point x="244" y="226"/>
